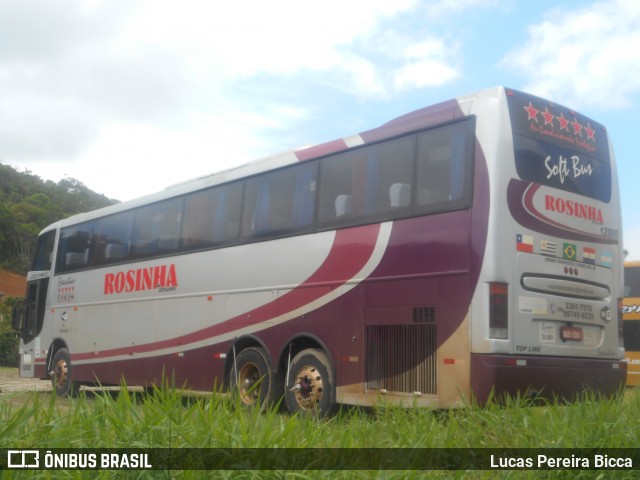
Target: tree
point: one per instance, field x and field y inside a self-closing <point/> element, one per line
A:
<point x="24" y="245"/>
<point x="30" y="216"/>
<point x="28" y="204"/>
<point x="8" y="337"/>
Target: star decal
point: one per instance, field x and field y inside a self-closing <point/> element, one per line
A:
<point x="577" y="128"/>
<point x="591" y="133"/>
<point x="563" y="122"/>
<point x="548" y="118"/>
<point x="532" y="112"/>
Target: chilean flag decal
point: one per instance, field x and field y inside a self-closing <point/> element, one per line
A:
<point x="524" y="243"/>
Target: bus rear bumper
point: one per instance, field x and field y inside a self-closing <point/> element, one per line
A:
<point x="547" y="377"/>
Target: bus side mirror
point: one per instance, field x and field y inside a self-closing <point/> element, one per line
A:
<point x="18" y="314"/>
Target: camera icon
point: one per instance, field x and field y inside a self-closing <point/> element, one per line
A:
<point x="23" y="459"/>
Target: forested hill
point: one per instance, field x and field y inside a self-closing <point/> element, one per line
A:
<point x="28" y="204"/>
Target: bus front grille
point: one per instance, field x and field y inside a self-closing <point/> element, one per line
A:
<point x="402" y="358"/>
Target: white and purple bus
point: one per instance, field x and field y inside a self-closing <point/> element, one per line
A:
<point x="464" y="251"/>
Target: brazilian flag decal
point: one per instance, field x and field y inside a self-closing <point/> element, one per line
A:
<point x="569" y="251"/>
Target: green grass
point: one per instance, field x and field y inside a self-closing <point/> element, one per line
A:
<point x="168" y="419"/>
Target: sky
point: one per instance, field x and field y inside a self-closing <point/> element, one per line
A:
<point x="130" y="96"/>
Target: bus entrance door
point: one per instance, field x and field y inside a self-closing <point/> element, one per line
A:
<point x="28" y="316"/>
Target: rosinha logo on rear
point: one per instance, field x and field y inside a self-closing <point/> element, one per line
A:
<point x="161" y="277"/>
<point x="573" y="209"/>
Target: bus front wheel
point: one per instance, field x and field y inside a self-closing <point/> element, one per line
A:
<point x="252" y="378"/>
<point x="61" y="378"/>
<point x="310" y="383"/>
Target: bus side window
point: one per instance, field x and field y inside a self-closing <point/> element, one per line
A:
<point x="304" y="196"/>
<point x="443" y="177"/>
<point x="212" y="216"/>
<point x="388" y="171"/>
<point x="280" y="202"/>
<point x="368" y="184"/>
<point x="227" y="213"/>
<point x="156" y="229"/>
<point x="336" y="188"/>
<point x="197" y="227"/>
<point x="74" y="247"/>
<point x="112" y="238"/>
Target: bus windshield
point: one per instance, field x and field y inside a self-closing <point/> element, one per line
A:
<point x="44" y="251"/>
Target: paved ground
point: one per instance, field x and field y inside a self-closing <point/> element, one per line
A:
<point x="10" y="381"/>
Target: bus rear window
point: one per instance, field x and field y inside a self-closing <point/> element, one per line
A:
<point x="558" y="147"/>
<point x="553" y="166"/>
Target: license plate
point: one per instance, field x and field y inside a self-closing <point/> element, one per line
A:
<point x="571" y="334"/>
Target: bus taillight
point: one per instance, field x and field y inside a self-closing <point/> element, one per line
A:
<point x="498" y="310"/>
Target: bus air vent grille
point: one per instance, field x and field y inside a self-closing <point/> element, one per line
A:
<point x="402" y="358"/>
<point x="424" y="314"/>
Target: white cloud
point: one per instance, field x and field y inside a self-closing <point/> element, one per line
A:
<point x="343" y="42"/>
<point x="583" y="57"/>
<point x="354" y="46"/>
<point x="112" y="86"/>
<point x="424" y="73"/>
<point x="40" y="126"/>
<point x="86" y="65"/>
<point x="429" y="63"/>
<point x="240" y="38"/>
<point x="447" y="7"/>
<point x="35" y="31"/>
<point x="130" y="159"/>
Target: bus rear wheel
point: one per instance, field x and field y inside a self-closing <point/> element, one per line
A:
<point x="252" y="378"/>
<point x="61" y="379"/>
<point x="310" y="383"/>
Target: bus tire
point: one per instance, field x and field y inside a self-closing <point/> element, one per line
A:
<point x="61" y="375"/>
<point x="310" y="385"/>
<point x="254" y="383"/>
